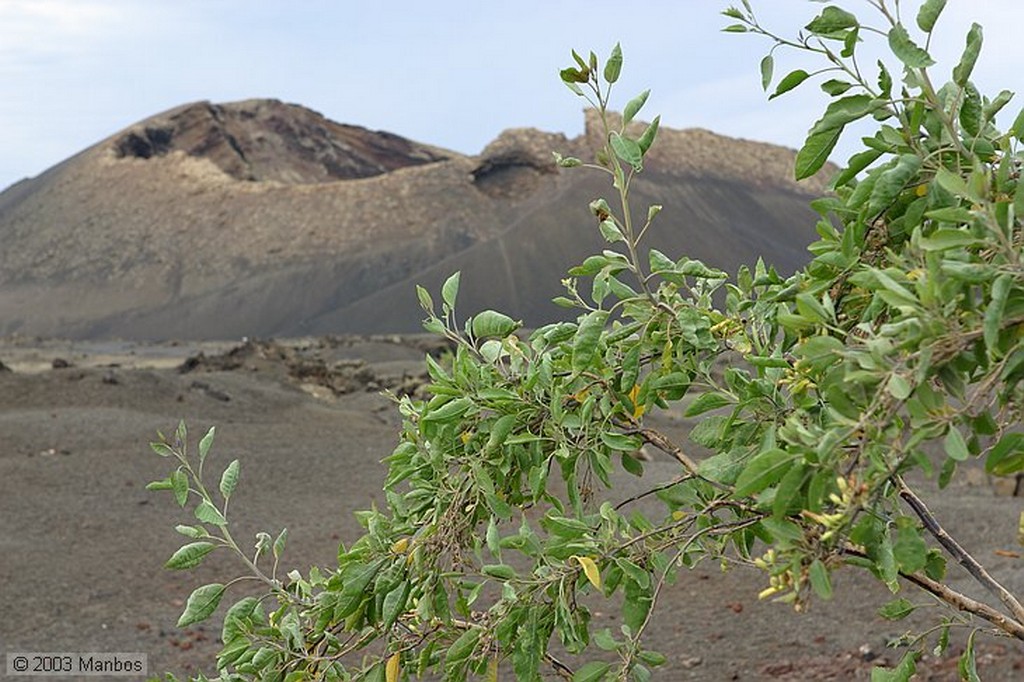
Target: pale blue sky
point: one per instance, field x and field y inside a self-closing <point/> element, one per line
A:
<point x="450" y="73"/>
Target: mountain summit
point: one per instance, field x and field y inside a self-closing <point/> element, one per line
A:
<point x="260" y="218"/>
<point x="267" y="140"/>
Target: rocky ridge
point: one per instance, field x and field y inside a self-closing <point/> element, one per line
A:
<point x="260" y="218"/>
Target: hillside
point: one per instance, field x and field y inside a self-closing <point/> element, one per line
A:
<point x="259" y="218"/>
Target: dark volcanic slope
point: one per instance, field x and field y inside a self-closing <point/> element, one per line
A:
<point x="260" y="218"/>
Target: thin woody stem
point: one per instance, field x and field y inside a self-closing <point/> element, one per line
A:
<point x="960" y="601"/>
<point x="962" y="556"/>
<point x="1010" y="626"/>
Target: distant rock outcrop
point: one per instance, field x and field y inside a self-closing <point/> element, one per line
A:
<point x="261" y="140"/>
<point x="260" y="218"/>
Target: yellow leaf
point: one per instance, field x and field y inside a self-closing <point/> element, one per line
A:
<point x="589" y="569"/>
<point x="465" y="436"/>
<point x="921" y="190"/>
<point x="392" y="669"/>
<point x="400" y="546"/>
<point x="492" y="670"/>
<point x="638" y="410"/>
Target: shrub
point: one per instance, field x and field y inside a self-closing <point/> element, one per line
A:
<point x="891" y="359"/>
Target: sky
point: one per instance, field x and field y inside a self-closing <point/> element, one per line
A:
<point x="453" y="73"/>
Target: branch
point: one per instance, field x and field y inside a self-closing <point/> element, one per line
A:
<point x="661" y="441"/>
<point x="953" y="598"/>
<point x="961" y="555"/>
<point x="965" y="603"/>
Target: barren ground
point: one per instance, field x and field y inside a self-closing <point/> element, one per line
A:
<point x="83" y="543"/>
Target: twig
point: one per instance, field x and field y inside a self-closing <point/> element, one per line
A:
<point x="961" y="555"/>
<point x="660" y="441"/>
<point x="564" y="671"/>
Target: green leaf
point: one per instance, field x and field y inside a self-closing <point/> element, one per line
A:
<point x="994" y="313"/>
<point x="189" y="556"/>
<point x="695" y="268"/>
<point x="901" y="673"/>
<point x="735" y="28"/>
<point x="164" y="484"/>
<point x="394" y="603"/>
<point x="355" y="580"/>
<point x="831" y="21"/>
<point x="179" y="484"/>
<point x="813" y="155"/>
<point x="1007" y="456"/>
<point x="453" y="409"/>
<point x="610" y="231"/>
<point x="591" y="672"/>
<point x="956" y="185"/>
<point x="1017" y="129"/>
<point x="767" y="69"/>
<point x="884" y="80"/>
<point x="500" y="430"/>
<point x="492" y="324"/>
<point x="620" y="441"/>
<point x="898" y="387"/>
<point x="929" y="14"/>
<point x="634" y="106"/>
<point x="207" y="513"/>
<point x="910" y="550"/>
<point x="450" y="289"/>
<point x="613" y="66"/>
<point x="463" y="647"/>
<point x="899" y="296"/>
<point x="201" y="604"/>
<point x="205" y="443"/>
<point x="988" y="113"/>
<point x="637" y="603"/>
<point x="790" y="81"/>
<point x="426" y="302"/>
<point x="279" y="543"/>
<point x="190" y="531"/>
<point x="897" y="609"/>
<point x="855" y="165"/>
<point x="653" y="658"/>
<point x="971" y="110"/>
<point x="229" y="479"/>
<point x="966" y="664"/>
<point x="789" y="489"/>
<point x="820" y="580"/>
<point x="499" y="571"/>
<point x="835" y="87"/>
<point x="962" y="71"/>
<point x="162" y="449"/>
<point x="585" y="342"/>
<point x="948" y="238"/>
<point x="626" y="149"/>
<point x="650" y="132"/>
<point x="906" y="50"/>
<point x="763" y="470"/>
<point x="955" y="445"/>
<point x="891" y="183"/>
<point x="632" y="465"/>
<point x="705" y="402"/>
